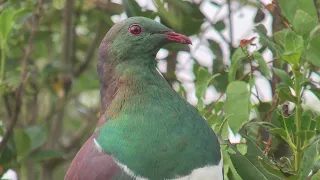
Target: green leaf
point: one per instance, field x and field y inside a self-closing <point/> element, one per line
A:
<point x="37" y="135"/>
<point x="313" y="53"/>
<point x="215" y="47"/>
<point x="248" y="166"/>
<point x="318" y="124"/>
<point x="315" y="32"/>
<point x="58" y="4"/>
<point x="203" y="80"/>
<point x="21" y="12"/>
<point x="227" y="162"/>
<point x="7" y="154"/>
<point x="280" y="132"/>
<point x="6" y="23"/>
<point x="236" y="59"/>
<point x="237" y="105"/>
<point x="284" y="92"/>
<point x="245" y="168"/>
<point x="306" y="120"/>
<point x="306" y="136"/>
<point x="219" y="126"/>
<point x="22" y="142"/>
<point x="292" y="44"/>
<point x="219" y="26"/>
<point x="267" y="41"/>
<point x="262" y="64"/>
<point x="46" y="154"/>
<point x="303" y="23"/>
<point x="308" y="6"/>
<point x="283" y="76"/>
<point x="132" y="8"/>
<point x="288" y="8"/>
<point x="182" y="16"/>
<point x="308" y="160"/>
<point x="271" y="169"/>
<point x="316" y="176"/>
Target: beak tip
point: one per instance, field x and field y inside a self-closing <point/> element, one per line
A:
<point x="177" y="38"/>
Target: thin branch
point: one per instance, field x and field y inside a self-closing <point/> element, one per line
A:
<point x="274" y="104"/>
<point x="67" y="45"/>
<point x="257" y="96"/>
<point x="23" y="75"/>
<point x="254" y="68"/>
<point x="7" y="105"/>
<point x="213" y="104"/>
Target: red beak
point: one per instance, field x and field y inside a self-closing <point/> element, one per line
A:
<point x="177" y="38"/>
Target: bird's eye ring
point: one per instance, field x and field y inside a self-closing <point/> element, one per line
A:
<point x="135" y="29"/>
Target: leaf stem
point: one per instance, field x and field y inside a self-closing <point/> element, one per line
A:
<point x="297" y="90"/>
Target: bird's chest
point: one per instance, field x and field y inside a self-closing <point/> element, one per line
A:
<point x="160" y="148"/>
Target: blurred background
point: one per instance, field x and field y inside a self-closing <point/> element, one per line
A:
<point x="52" y="50"/>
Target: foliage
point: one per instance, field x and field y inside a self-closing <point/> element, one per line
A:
<point x="50" y="94"/>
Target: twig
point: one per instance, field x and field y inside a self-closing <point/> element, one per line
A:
<point x="7" y="105"/>
<point x="257" y="96"/>
<point x="213" y="104"/>
<point x="274" y="104"/>
<point x="23" y="75"/>
<point x="90" y="52"/>
<point x="254" y="68"/>
<point x="67" y="49"/>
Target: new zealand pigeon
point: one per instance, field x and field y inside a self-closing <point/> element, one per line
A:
<point x="146" y="130"/>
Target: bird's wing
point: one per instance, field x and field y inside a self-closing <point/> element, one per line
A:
<point x="92" y="164"/>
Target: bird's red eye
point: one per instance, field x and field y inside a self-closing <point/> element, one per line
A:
<point x="135" y="29"/>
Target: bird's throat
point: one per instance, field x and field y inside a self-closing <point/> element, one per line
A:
<point x="120" y="84"/>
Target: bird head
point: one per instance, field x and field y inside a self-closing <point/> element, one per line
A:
<point x="138" y="37"/>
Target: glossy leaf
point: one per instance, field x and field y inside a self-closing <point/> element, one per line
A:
<point x="248" y="166"/>
<point x="219" y="26"/>
<point x="265" y="40"/>
<point x="22" y="142"/>
<point x="283" y="76"/>
<point x="203" y="80"/>
<point x="37" y="136"/>
<point x="262" y="64"/>
<point x="284" y="92"/>
<point x="245" y="168"/>
<point x="303" y="23"/>
<point x="316" y="176"/>
<point x="308" y="160"/>
<point x="288" y="8"/>
<point x="271" y="169"/>
<point x="6" y="23"/>
<point x="236" y="59"/>
<point x="292" y="44"/>
<point x="313" y="53"/>
<point x="132" y="8"/>
<point x="237" y="105"/>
